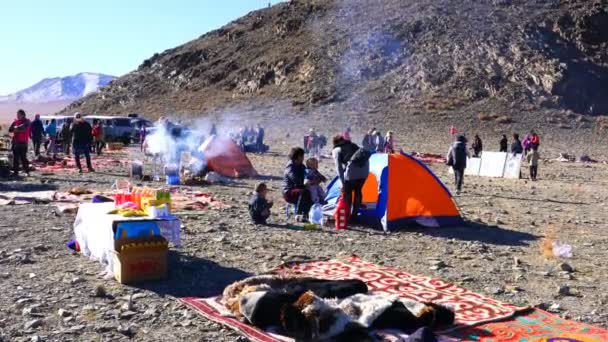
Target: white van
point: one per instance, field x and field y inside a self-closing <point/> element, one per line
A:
<point x="115" y="128"/>
<point x="60" y="120"/>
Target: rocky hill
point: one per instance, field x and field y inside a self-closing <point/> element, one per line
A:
<point x="481" y="64"/>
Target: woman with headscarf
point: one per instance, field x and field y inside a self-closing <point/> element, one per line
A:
<point x="294" y="190"/>
<point x="352" y="171"/>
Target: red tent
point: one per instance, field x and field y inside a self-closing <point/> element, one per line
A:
<point x="226" y="158"/>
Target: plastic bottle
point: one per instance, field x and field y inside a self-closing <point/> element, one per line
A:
<point x="315" y="216"/>
<point x="562" y="250"/>
<point x="290" y="210"/>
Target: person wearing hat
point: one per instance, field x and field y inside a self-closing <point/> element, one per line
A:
<point x="457" y="159"/>
<point x="82" y="138"/>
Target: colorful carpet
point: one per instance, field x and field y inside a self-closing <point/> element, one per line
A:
<point x="478" y="318"/>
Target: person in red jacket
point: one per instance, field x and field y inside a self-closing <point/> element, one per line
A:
<point x="98" y="142"/>
<point x="534" y="140"/>
<point x="21" y="135"/>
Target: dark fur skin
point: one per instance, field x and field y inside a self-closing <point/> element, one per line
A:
<point x="268" y="312"/>
<point x="296" y="325"/>
<point x="399" y="317"/>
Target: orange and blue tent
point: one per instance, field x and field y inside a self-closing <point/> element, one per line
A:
<point x="401" y="191"/>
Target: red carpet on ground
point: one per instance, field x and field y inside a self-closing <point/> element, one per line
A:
<point x="478" y="317"/>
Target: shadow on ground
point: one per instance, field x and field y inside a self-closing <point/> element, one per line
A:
<point x="492" y="235"/>
<point x="191" y="276"/>
<point x="26" y="187"/>
<point x="542" y="200"/>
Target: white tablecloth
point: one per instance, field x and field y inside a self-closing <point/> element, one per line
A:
<point x="93" y="228"/>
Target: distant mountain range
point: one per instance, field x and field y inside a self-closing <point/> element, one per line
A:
<point x="59" y="89"/>
<point x="51" y="94"/>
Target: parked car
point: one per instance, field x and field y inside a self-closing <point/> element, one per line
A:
<point x="116" y="128"/>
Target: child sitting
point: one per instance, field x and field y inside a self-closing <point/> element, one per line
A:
<point x="313" y="181"/>
<point x="259" y="206"/>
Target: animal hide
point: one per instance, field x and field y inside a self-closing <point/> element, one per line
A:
<point x="321" y="319"/>
<point x="309" y="309"/>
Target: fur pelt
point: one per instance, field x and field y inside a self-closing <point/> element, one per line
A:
<point x="285" y="290"/>
<point x="313" y="318"/>
<point x="309" y="309"/>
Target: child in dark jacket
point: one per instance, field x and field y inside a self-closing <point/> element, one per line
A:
<point x="259" y="206"/>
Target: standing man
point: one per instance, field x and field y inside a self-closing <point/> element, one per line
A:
<point x="21" y="134"/>
<point x="504" y="144"/>
<point x="259" y="139"/>
<point x="457" y="159"/>
<point x="379" y="142"/>
<point x="516" y="146"/>
<point x="534" y="140"/>
<point x="82" y="133"/>
<point x="98" y="136"/>
<point x="477" y="146"/>
<point x="36" y="134"/>
<point x="533" y="157"/>
<point x="368" y="140"/>
<point x="51" y="133"/>
<point x="66" y="138"/>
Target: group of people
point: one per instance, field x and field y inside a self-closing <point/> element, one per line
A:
<point x="249" y="139"/>
<point x="79" y="135"/>
<point x="458" y="153"/>
<point x="314" y="142"/>
<point x="373" y="141"/>
<point x="303" y="182"/>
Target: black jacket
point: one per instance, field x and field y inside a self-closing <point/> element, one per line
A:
<point x="259" y="209"/>
<point x="82" y="133"/>
<point x="516" y="147"/>
<point x="293" y="177"/>
<point x="504" y="144"/>
<point x="458" y="154"/>
<point x="36" y="129"/>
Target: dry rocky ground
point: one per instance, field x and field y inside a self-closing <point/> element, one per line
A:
<point x="51" y="294"/>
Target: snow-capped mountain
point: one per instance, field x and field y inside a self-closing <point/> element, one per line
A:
<point x="60" y="89"/>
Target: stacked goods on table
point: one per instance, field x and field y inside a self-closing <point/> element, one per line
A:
<point x="140" y="252"/>
<point x="154" y="203"/>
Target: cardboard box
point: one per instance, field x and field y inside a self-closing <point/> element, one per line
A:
<point x="141" y="259"/>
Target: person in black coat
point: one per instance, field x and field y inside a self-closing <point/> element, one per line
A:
<point x="259" y="206"/>
<point x="36" y="134"/>
<point x="504" y="144"/>
<point x="82" y="138"/>
<point x="294" y="190"/>
<point x="516" y="146"/>
<point x="457" y="159"/>
<point x="477" y="146"/>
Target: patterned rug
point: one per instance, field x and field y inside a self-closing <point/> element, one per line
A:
<point x="535" y="326"/>
<point x="478" y="318"/>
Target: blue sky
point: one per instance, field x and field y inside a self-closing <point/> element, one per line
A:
<point x="49" y="38"/>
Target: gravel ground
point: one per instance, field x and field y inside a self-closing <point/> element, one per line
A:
<point x="51" y="294"/>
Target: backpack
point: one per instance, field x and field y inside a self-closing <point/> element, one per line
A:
<point x="347" y="151"/>
<point x="458" y="156"/>
<point x="360" y="157"/>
